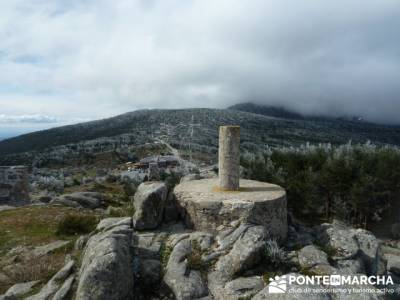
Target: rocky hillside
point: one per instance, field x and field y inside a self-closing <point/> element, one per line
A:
<point x="189" y="130"/>
<point x="169" y="260"/>
<point x="267" y="110"/>
<point x="284" y="113"/>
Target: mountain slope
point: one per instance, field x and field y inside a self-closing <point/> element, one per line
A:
<point x="281" y="112"/>
<point x="258" y="131"/>
<point x="267" y="110"/>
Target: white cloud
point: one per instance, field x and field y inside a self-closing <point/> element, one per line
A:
<point x="90" y="59"/>
<point x="27" y="119"/>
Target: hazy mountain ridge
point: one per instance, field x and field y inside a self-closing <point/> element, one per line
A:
<point x="285" y="113"/>
<point x="267" y="110"/>
<point x="144" y="126"/>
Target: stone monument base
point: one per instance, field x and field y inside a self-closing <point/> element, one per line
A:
<point x="205" y="207"/>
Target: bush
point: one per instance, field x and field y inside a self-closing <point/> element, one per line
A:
<point x="273" y="253"/>
<point x="127" y="210"/>
<point x="195" y="261"/>
<point x="76" y="224"/>
<point x="129" y="189"/>
<point x="165" y="253"/>
<point x="352" y="183"/>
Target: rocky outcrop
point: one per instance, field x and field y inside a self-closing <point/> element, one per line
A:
<point x="90" y="200"/>
<point x="298" y="235"/>
<point x="243" y="287"/>
<point x="245" y="247"/>
<point x="352" y="244"/>
<point x="107" y="263"/>
<point x="48" y="248"/>
<point x="14" y="186"/>
<point x="171" y="212"/>
<point x="20" y="289"/>
<point x="55" y="286"/>
<point x="395" y="230"/>
<point x="311" y="256"/>
<point x="190" y="177"/>
<point x="149" y="203"/>
<point x="150" y="273"/>
<point x="185" y="283"/>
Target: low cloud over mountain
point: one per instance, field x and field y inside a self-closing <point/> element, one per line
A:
<point x="90" y="59"/>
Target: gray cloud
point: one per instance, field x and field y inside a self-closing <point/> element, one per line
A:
<point x="91" y="59"/>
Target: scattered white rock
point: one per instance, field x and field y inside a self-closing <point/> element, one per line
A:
<point x="46" y="249"/>
<point x="310" y="256"/>
<point x="90" y="200"/>
<point x="20" y="289"/>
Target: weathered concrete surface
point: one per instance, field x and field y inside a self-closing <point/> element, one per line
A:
<point x="229" y="157"/>
<point x="205" y="207"/>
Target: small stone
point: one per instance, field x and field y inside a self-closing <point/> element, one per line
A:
<point x="109" y="223"/>
<point x="185" y="284"/>
<point x="63" y="292"/>
<point x="90" y="200"/>
<point x="81" y="242"/>
<point x="351" y="266"/>
<point x="190" y="177"/>
<point x="243" y="287"/>
<point x="310" y="256"/>
<point x="20" y="289"/>
<point x="324" y="269"/>
<point x="46" y="249"/>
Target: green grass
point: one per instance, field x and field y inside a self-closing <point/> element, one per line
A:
<point x="126" y="210"/>
<point x="33" y="226"/>
<point x="329" y="250"/>
<point x="76" y="224"/>
<point x="115" y="193"/>
<point x="307" y="272"/>
<point x="165" y="253"/>
<point x="195" y="261"/>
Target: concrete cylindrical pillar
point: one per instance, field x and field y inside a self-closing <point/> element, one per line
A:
<point x="229" y="157"/>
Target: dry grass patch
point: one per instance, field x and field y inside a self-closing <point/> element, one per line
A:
<point x="24" y="228"/>
<point x="33" y="225"/>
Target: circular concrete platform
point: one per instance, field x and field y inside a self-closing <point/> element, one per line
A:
<point x="205" y="207"/>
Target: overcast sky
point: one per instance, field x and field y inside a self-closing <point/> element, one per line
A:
<point x="64" y="61"/>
